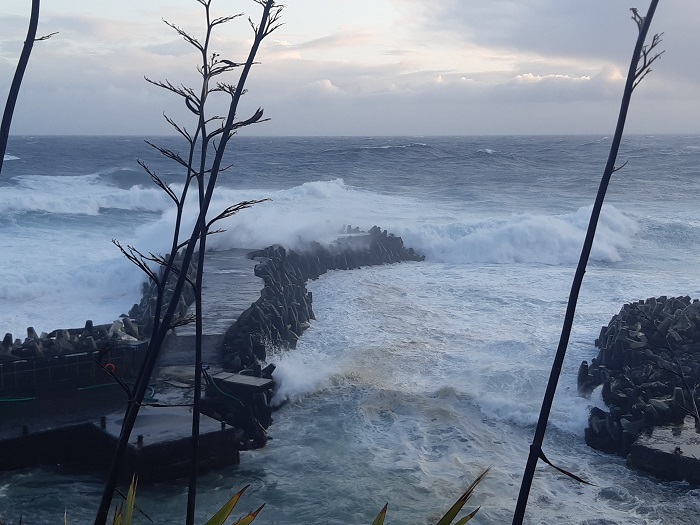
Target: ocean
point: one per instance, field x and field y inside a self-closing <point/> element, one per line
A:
<point x="414" y="376"/>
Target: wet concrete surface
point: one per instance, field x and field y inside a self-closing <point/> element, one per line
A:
<point x="671" y="452"/>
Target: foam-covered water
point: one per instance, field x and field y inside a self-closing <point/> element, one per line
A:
<point x="414" y="377"/>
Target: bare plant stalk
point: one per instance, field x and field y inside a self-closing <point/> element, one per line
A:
<point x="268" y="23"/>
<point x="635" y="74"/>
<point x="17" y="80"/>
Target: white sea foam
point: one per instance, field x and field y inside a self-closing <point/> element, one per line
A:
<point x="313" y="211"/>
<point x="62" y="288"/>
<point x="7" y="157"/>
<point x="300" y="374"/>
<point x="81" y="195"/>
<point x="525" y="238"/>
<point x="317" y="211"/>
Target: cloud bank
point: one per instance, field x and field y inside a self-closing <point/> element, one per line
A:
<point x="369" y="67"/>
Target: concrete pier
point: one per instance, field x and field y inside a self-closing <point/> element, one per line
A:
<point x="58" y="427"/>
<point x="159" y="448"/>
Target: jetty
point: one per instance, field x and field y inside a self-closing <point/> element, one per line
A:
<point x="252" y="302"/>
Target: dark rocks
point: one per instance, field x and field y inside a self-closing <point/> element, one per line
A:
<point x="35" y="352"/>
<point x="143" y="313"/>
<point x="63" y="342"/>
<point x="648" y="363"/>
<point x="75" y="358"/>
<point x="283" y="311"/>
<point x="129" y="329"/>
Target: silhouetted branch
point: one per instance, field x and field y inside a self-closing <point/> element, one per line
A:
<point x="169" y="154"/>
<point x="536" y="447"/>
<point x="638" y="19"/>
<point x="255" y="119"/>
<point x="618" y="168"/>
<point x="136" y="257"/>
<point x="182" y="245"/>
<point x="648" y="59"/>
<point x="182" y="131"/>
<point x="183" y="91"/>
<point x="116" y="378"/>
<point x="45" y="37"/>
<point x="192" y="105"/>
<point x="563" y="470"/>
<point x="184" y="320"/>
<point x="192" y="101"/>
<point x="159" y="182"/>
<point x="13" y="94"/>
<point x="165" y="262"/>
<point x="273" y="22"/>
<point x="224" y="19"/>
<point x="210" y="66"/>
<point x="224" y="87"/>
<point x="184" y="34"/>
<point x="215" y="117"/>
<point x="162" y="261"/>
<point x="232" y="210"/>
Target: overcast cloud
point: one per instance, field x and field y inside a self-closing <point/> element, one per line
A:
<point x="365" y="67"/>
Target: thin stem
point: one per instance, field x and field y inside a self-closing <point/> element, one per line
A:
<point x="161" y="328"/>
<point x="536" y="446"/>
<point x="17" y="80"/>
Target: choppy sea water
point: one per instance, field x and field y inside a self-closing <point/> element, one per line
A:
<point x="414" y="377"/>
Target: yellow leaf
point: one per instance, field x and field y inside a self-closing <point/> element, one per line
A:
<point x="379" y="520"/>
<point x="222" y="515"/>
<point x="451" y="514"/>
<point x="130" y="501"/>
<point x="247" y="520"/>
<point x="468" y="517"/>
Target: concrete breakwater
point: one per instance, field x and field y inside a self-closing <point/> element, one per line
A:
<point x="282" y="313"/>
<point x="278" y="317"/>
<point x="648" y="366"/>
<point x="238" y="398"/>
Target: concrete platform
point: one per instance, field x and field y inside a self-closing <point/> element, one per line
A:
<point x="237" y="383"/>
<point x="159" y="448"/>
<point x="160" y="443"/>
<point x="669" y="452"/>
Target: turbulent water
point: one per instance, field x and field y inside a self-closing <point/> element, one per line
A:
<point x="414" y="377"/>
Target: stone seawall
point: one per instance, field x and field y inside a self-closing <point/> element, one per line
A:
<point x="282" y="313"/>
<point x="279" y="317"/>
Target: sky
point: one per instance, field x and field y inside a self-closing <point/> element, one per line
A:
<point x="359" y="67"/>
